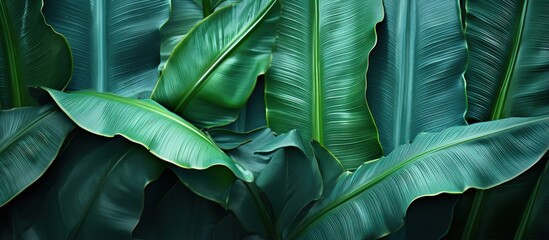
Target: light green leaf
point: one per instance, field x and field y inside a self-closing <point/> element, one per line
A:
<point x="372" y="201"/>
<point x="30" y="139"/>
<point x="509" y="58"/>
<point x="31" y="53"/>
<point x="415" y="80"/>
<point x="115" y="44"/>
<point x="165" y="134"/>
<point x="316" y="83"/>
<point x="212" y="71"/>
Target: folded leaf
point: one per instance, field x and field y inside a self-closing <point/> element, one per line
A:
<point x="165" y="134"/>
<point x="30" y="139"/>
<point x="212" y="71"/>
<point x="415" y="80"/>
<point x="372" y="201"/>
<point x="316" y="83"/>
<point x="31" y="53"/>
<point x="115" y="44"/>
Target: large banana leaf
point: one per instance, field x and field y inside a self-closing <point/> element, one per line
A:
<point x="96" y="193"/>
<point x="372" y="201"/>
<point x="184" y="14"/>
<point x="415" y="80"/>
<point x="165" y="134"/>
<point x="115" y="44"/>
<point x="509" y="58"/>
<point x="31" y="53"/>
<point x="316" y="83"/>
<point x="212" y="71"/>
<point x="30" y="139"/>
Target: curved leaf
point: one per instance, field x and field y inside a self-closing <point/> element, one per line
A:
<point x="372" y="201"/>
<point x="165" y="134"/>
<point x="212" y="71"/>
<point x="509" y="58"/>
<point x="31" y="53"/>
<point x="115" y="44"/>
<point x="184" y="14"/>
<point x="30" y="139"/>
<point x="415" y="81"/>
<point x="316" y="83"/>
<point x="100" y="191"/>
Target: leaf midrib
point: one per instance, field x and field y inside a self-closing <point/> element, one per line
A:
<point x="317" y="91"/>
<point x="13" y="61"/>
<point x="99" y="38"/>
<point x="347" y="197"/>
<point x="220" y="57"/>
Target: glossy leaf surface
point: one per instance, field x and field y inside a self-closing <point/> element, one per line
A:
<point x="115" y="44"/>
<point x="30" y="139"/>
<point x="212" y="71"/>
<point x="316" y="83"/>
<point x="371" y="202"/>
<point x="415" y="80"/>
<point x="31" y="53"/>
<point x="165" y="134"/>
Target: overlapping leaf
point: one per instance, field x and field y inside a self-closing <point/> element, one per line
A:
<point x="316" y="83"/>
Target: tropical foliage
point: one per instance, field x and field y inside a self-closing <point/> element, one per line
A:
<point x="274" y="119"/>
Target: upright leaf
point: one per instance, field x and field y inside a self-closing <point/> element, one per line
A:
<point x="372" y="201"/>
<point x="509" y="58"/>
<point x="31" y="53"/>
<point x="165" y="134"/>
<point x="415" y="81"/>
<point x="212" y="71"/>
<point x="30" y="139"/>
<point x="317" y="80"/>
<point x="115" y="44"/>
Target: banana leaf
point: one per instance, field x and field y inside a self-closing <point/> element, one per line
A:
<point x="252" y="116"/>
<point x="415" y="80"/>
<point x="30" y="139"/>
<point x="372" y="201"/>
<point x="115" y="44"/>
<point x="212" y="71"/>
<point x="31" y="53"/>
<point x="145" y="122"/>
<point x="316" y="83"/>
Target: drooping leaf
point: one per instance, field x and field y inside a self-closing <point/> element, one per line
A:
<point x="31" y="53"/>
<point x="115" y="44"/>
<point x="212" y="71"/>
<point x="372" y="201"/>
<point x="316" y="83"/>
<point x="415" y="80"/>
<point x="30" y="139"/>
<point x="184" y="14"/>
<point x="165" y="134"/>
<point x="97" y="193"/>
<point x="509" y="59"/>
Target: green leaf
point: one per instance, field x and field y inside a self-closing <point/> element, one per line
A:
<point x="252" y="116"/>
<point x="509" y="59"/>
<point x="31" y="53"/>
<point x="30" y="139"/>
<point x="415" y="80"/>
<point x="184" y="14"/>
<point x="115" y="44"/>
<point x="212" y="71"/>
<point x="96" y="194"/>
<point x="316" y="83"/>
<point x="165" y="134"/>
<point x="373" y="201"/>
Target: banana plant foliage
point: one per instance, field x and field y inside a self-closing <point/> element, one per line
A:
<point x="115" y="44"/>
<point x="509" y="58"/>
<point x="229" y="50"/>
<point x="147" y="123"/>
<point x="316" y="83"/>
<point x="415" y="81"/>
<point x="30" y="139"/>
<point x="31" y="53"/>
<point x="373" y="196"/>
